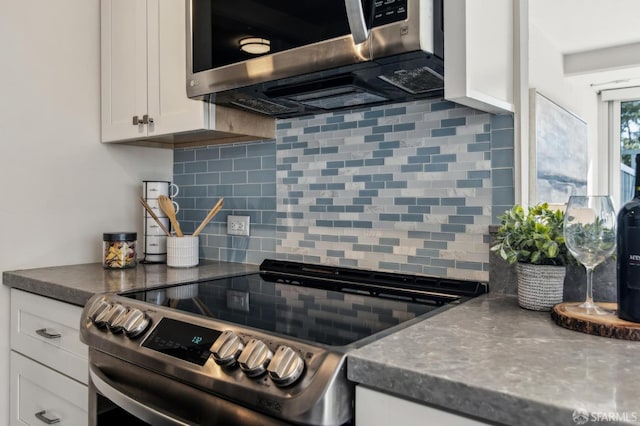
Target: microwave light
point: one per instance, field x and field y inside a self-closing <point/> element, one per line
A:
<point x="255" y="45"/>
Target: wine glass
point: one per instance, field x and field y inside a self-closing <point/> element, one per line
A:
<point x="590" y="236"/>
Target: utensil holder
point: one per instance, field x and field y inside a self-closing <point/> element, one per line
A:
<point x="182" y="252"/>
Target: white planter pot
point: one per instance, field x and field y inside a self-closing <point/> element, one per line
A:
<point x="540" y="286"/>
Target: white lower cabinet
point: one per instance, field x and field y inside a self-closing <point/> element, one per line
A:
<point x="40" y="395"/>
<point x="49" y="364"/>
<point x="375" y="408"/>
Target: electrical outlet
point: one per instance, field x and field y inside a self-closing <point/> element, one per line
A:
<point x="238" y="225"/>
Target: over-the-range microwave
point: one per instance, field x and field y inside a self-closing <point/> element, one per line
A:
<point x="288" y="58"/>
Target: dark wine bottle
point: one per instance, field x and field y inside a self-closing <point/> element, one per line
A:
<point x="628" y="261"/>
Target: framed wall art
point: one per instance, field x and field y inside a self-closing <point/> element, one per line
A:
<point x="559" y="152"/>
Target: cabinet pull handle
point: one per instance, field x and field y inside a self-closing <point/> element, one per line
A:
<point x="137" y="121"/>
<point x="42" y="416"/>
<point x="146" y="119"/>
<point x="44" y="333"/>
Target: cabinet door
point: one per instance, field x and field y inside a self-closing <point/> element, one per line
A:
<point x="48" y="331"/>
<point x="168" y="105"/>
<point x="39" y="394"/>
<point x="123" y="68"/>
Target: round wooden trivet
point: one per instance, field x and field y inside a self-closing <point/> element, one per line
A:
<point x="605" y="325"/>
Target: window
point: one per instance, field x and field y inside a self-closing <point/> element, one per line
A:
<point x="622" y="108"/>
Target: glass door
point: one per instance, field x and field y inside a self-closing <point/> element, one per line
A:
<point x="629" y="147"/>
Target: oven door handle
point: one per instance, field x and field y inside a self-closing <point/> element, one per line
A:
<point x="142" y="411"/>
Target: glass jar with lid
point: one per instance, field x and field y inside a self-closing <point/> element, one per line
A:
<point x="119" y="250"/>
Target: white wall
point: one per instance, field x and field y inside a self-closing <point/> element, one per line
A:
<point x="546" y="75"/>
<point x="61" y="188"/>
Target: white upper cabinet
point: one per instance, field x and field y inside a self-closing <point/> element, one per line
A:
<point x="144" y="77"/>
<point x="479" y="54"/>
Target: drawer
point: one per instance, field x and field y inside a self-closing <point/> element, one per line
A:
<point x="48" y="331"/>
<point x="39" y="391"/>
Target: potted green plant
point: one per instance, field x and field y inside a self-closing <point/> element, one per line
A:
<point x="533" y="238"/>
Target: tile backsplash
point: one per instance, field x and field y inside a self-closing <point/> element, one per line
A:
<point x="407" y="187"/>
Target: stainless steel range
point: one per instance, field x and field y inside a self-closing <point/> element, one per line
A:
<point x="267" y="348"/>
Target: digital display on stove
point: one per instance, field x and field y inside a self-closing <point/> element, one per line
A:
<point x="182" y="340"/>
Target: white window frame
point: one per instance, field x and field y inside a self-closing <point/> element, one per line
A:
<point x="609" y="125"/>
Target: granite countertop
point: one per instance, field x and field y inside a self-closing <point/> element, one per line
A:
<point x="75" y="284"/>
<point x="487" y="357"/>
<point x="491" y="359"/>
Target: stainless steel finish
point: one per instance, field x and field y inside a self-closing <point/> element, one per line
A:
<point x="101" y="318"/>
<point x="254" y="358"/>
<point x="358" y="26"/>
<point x="114" y="319"/>
<point x="332" y="53"/>
<point x="413" y="34"/>
<point x="162" y="401"/>
<point x="285" y="367"/>
<point x="134" y="323"/>
<point x="44" y="333"/>
<point x="321" y="396"/>
<point x="146" y="119"/>
<point x="42" y="416"/>
<point x="136" y="120"/>
<point x="227" y="348"/>
<point x="98" y="308"/>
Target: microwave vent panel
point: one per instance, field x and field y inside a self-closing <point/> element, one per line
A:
<point x="263" y="106"/>
<point x="415" y="81"/>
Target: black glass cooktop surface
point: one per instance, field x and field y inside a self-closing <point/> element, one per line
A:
<point x="320" y="310"/>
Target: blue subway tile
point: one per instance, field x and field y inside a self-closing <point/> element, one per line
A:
<point x="335" y="209"/>
<point x="368" y="193"/>
<point x="439" y="106"/>
<point x="329" y="150"/>
<point x="449" y="131"/>
<point x="501" y="158"/>
<point x="282" y="125"/>
<point x="452" y="122"/>
<point x="262" y="176"/>
<point x="318" y="209"/>
<point x="183" y="156"/>
<point x="335" y="253"/>
<point x="395" y="111"/>
<point x="419" y="159"/>
<point x="404" y="201"/>
<point x="429" y="150"/>
<point x="396" y="184"/>
<point x="206" y="154"/>
<point x="389" y="145"/>
<point x="389" y="217"/>
<point x="348" y="125"/>
<point x="312" y="129"/>
<point x="373" y="114"/>
<point x="368" y="123"/>
<point x="362" y="224"/>
<point x="412" y="217"/>
<point x="234" y="151"/>
<point x="335" y="186"/>
<point x="445" y="227"/>
<point x="440" y="167"/>
<point x="390" y="241"/>
<point x="374" y="162"/>
<point x="373" y="185"/>
<point x="220" y="165"/>
<point x="479" y="147"/>
<point x="247" y="163"/>
<point x="479" y="174"/>
<point x="469" y="183"/>
<point x="329" y="172"/>
<point x="382" y="129"/>
<point x="329" y="128"/>
<point x="453" y="201"/>
<point x="408" y="168"/>
<point x="482" y="137"/>
<point x="504" y="121"/>
<point x="318" y="186"/>
<point x="362" y="201"/>
<point x="247" y="190"/>
<point x="404" y="127"/>
<point x="502" y="139"/>
<point x="335" y="164"/>
<point x="354" y="163"/>
<point x="335" y="119"/>
<point x="195" y="167"/>
<point x="311" y="151"/>
<point x="324" y="201"/>
<point x="475" y="211"/>
<point x="208" y="179"/>
<point x="374" y="138"/>
<point x="354" y="209"/>
<point x="383" y="153"/>
<point x="420" y="209"/>
<point x="443" y="158"/>
<point x="320" y="222"/>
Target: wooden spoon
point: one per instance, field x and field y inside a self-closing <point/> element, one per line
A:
<point x="167" y="207"/>
<point x="154" y="216"/>
<point x="214" y="210"/>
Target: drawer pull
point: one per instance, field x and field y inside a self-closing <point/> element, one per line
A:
<point x="44" y="333"/>
<point x="42" y="416"/>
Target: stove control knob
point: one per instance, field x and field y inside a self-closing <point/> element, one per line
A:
<point x="254" y="358"/>
<point x="286" y="366"/>
<point x="102" y="317"/>
<point x="227" y="348"/>
<point x="115" y="316"/>
<point x="98" y="307"/>
<point x="135" y="322"/>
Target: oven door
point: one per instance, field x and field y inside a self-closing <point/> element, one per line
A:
<point x="122" y="393"/>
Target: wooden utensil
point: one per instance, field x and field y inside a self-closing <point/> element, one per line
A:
<point x="154" y="216"/>
<point x="167" y="207"/>
<point x="214" y="210"/>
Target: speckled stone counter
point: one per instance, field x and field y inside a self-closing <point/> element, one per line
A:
<point x="491" y="359"/>
<point x="77" y="283"/>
